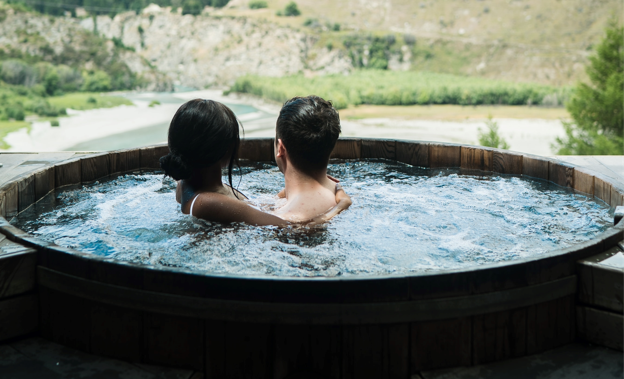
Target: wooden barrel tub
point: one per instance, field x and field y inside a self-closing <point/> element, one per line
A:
<point x="256" y="327"/>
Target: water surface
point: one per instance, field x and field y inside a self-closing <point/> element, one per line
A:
<point x="404" y="219"/>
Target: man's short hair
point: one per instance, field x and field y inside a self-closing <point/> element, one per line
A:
<point x="309" y="128"/>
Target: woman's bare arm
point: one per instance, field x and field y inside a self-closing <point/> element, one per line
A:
<point x="216" y="207"/>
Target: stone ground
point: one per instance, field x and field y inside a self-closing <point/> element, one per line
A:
<point x="38" y="358"/>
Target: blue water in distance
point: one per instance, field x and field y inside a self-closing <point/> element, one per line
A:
<point x="404" y="219"/>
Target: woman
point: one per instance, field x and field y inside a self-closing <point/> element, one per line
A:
<point x="203" y="139"/>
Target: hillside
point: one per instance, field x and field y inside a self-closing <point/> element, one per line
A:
<point x="37" y="42"/>
<point x="545" y="41"/>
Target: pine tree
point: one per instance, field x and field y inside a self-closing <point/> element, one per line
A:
<point x="597" y="109"/>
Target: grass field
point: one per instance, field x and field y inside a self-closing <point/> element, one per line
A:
<point x="87" y="100"/>
<point x="452" y="112"/>
<point x="7" y="127"/>
<point x="379" y="87"/>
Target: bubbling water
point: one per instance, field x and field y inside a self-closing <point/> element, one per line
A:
<point x="403" y="219"/>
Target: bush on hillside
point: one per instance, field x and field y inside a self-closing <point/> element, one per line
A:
<point x="258" y="4"/>
<point x="193" y="7"/>
<point x="99" y="81"/>
<point x="291" y="10"/>
<point x="15" y="112"/>
<point x="597" y="109"/>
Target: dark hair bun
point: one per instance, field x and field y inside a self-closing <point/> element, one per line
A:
<point x="175" y="167"/>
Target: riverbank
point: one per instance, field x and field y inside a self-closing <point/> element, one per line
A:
<point x="526" y="129"/>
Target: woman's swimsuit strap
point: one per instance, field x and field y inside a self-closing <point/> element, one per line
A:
<point x="193" y="203"/>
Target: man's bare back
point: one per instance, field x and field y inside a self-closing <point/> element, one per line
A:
<point x="306" y="132"/>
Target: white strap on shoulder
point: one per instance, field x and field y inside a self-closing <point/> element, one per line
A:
<point x="193" y="203"/>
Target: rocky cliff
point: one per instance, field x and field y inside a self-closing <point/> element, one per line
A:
<point x="201" y="51"/>
<point x="61" y="40"/>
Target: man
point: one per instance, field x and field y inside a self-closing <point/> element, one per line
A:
<point x="306" y="133"/>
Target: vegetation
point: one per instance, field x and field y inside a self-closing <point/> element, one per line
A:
<point x="491" y="138"/>
<point x="154" y="103"/>
<point x="86" y="100"/>
<point x="597" y="109"/>
<point x="112" y="7"/>
<point x="381" y="87"/>
<point x="7" y="127"/>
<point x="291" y="10"/>
<point x="258" y="4"/>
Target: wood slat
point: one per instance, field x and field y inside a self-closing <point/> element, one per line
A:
<point x="507" y="163"/>
<point x="26" y="191"/>
<point x="375" y="351"/>
<point x="44" y="182"/>
<point x="257" y="149"/>
<point x="602" y="188"/>
<point x="600" y="327"/>
<point x="248" y="350"/>
<point x="117" y="162"/>
<point x="601" y="285"/>
<point x="95" y="167"/>
<point x="9" y="196"/>
<point x="173" y="341"/>
<point x="347" y="148"/>
<point x="440" y="344"/>
<point x="17" y="269"/>
<point x="474" y="158"/>
<point x="215" y="349"/>
<point x="133" y="157"/>
<point x="65" y="319"/>
<point x="441" y="155"/>
<point x="617" y="196"/>
<point x="413" y="153"/>
<point x="550" y="324"/>
<point x="583" y="181"/>
<point x="68" y="172"/>
<point x="116" y="332"/>
<point x="302" y="349"/>
<point x="18" y="316"/>
<point x="498" y="336"/>
<point x="561" y="174"/>
<point x="535" y="167"/>
<point x="150" y="156"/>
<point x="385" y="149"/>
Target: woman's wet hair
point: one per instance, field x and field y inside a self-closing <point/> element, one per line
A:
<point x="201" y="133"/>
<point x="309" y="128"/>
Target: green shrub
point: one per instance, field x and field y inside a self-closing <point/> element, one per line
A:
<point x="154" y="103"/>
<point x="15" y="112"/>
<point x="491" y="138"/>
<point x="55" y="123"/>
<point x="91" y="100"/>
<point x="597" y="109"/>
<point x="193" y="7"/>
<point x="99" y="81"/>
<point x="292" y="10"/>
<point x="336" y="27"/>
<point x="258" y="4"/>
<point x="219" y="3"/>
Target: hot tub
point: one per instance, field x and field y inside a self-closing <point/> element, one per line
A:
<point x="340" y="327"/>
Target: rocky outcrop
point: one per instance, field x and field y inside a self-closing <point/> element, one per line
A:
<point x="62" y="40"/>
<point x="201" y="51"/>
